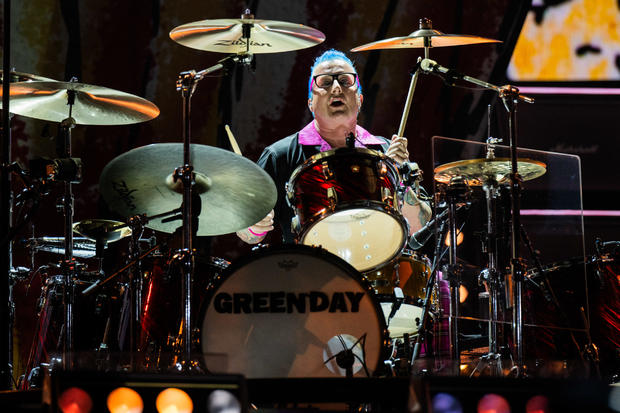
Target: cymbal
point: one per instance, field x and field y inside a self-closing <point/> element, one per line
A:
<point x="477" y="172"/>
<point x="235" y="193"/>
<point x="94" y="105"/>
<point x="416" y="40"/>
<point x="102" y="229"/>
<point x="226" y="36"/>
<point x="24" y="77"/>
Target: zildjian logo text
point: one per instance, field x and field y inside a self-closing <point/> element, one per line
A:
<point x="240" y="42"/>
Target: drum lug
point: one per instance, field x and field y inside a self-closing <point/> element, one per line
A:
<point x="327" y="172"/>
<point x="386" y="195"/>
<point x="332" y="197"/>
<point x="290" y="195"/>
<point x="295" y="226"/>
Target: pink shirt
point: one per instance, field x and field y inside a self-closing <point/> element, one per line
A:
<point x="310" y="136"/>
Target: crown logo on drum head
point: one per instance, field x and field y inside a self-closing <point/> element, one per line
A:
<point x="287" y="265"/>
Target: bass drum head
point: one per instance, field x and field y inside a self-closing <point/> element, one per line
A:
<point x="287" y="312"/>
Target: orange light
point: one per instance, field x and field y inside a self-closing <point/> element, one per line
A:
<point x="463" y="294"/>
<point x="75" y="400"/>
<point x="174" y="400"/>
<point x="125" y="400"/>
<point x="459" y="238"/>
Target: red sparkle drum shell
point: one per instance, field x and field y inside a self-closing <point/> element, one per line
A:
<point x="345" y="200"/>
<point x="287" y="312"/>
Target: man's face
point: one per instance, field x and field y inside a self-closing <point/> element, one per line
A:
<point x="336" y="103"/>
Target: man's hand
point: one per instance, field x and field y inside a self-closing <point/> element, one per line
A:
<point x="398" y="149"/>
<point x="257" y="232"/>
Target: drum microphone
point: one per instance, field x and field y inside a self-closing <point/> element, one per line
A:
<point x="420" y="237"/>
<point x="399" y="297"/>
<point x="431" y="66"/>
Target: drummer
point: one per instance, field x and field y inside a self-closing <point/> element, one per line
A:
<point x="334" y="98"/>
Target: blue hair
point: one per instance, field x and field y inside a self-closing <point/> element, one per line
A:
<point x="331" y="54"/>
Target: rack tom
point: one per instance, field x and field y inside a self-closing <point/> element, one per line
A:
<point x="346" y="201"/>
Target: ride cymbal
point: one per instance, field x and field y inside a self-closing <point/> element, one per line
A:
<point x="226" y="36"/>
<point x="93" y="105"/>
<point x="477" y="172"/>
<point x="235" y="193"/>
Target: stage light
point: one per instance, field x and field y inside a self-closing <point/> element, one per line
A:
<point x="222" y="401"/>
<point x="493" y="403"/>
<point x="125" y="400"/>
<point x="75" y="400"/>
<point x="446" y="403"/>
<point x="173" y="400"/>
<point x="537" y="404"/>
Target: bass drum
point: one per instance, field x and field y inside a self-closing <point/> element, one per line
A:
<point x="293" y="311"/>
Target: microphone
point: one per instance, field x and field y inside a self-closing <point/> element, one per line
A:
<point x="420" y="237"/>
<point x="431" y="66"/>
<point x="399" y="297"/>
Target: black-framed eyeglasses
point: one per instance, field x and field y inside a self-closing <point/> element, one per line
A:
<point x="326" y="80"/>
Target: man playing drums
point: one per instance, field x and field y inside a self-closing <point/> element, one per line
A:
<point x="334" y="98"/>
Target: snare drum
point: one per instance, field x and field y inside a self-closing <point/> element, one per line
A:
<point x="345" y="200"/>
<point x="409" y="272"/>
<point x="292" y="312"/>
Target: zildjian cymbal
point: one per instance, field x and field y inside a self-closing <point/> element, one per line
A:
<point x="93" y="105"/>
<point x="102" y="229"/>
<point x="417" y="39"/>
<point x="265" y="36"/>
<point x="477" y="172"/>
<point x="24" y="77"/>
<point x="235" y="193"/>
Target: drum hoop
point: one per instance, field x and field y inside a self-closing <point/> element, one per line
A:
<point x="308" y="250"/>
<point x="374" y="205"/>
<point x="360" y="204"/>
<point x="344" y="152"/>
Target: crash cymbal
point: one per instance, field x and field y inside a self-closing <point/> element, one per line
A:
<point x="477" y="172"/>
<point x="94" y="105"/>
<point x="226" y="36"/>
<point x="235" y="193"/>
<point x="416" y="39"/>
<point x="24" y="77"/>
<point x="102" y="229"/>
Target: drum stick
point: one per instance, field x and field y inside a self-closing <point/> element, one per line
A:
<point x="232" y="140"/>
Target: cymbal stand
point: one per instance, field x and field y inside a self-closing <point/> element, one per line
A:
<point x="492" y="359"/>
<point x="424" y="24"/>
<point x="186" y="84"/>
<point x="455" y="193"/>
<point x="510" y="97"/>
<point x="68" y="265"/>
<point x="430" y="287"/>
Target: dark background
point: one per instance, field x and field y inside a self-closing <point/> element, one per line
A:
<point x="125" y="45"/>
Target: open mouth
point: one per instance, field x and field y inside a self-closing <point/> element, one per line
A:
<point x="336" y="103"/>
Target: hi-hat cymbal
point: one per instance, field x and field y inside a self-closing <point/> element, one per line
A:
<point x="235" y="193"/>
<point x="93" y="105"/>
<point x="416" y="39"/>
<point x="102" y="229"/>
<point x="24" y="77"/>
<point x="477" y="172"/>
<point x="226" y="36"/>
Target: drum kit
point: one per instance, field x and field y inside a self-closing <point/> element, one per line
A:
<point x="330" y="306"/>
